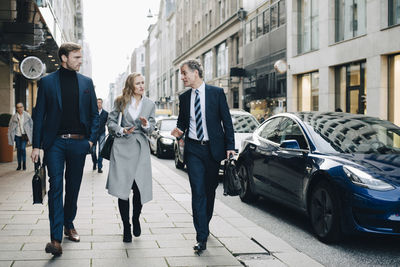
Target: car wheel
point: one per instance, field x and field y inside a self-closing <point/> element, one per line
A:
<point x="325" y="213"/>
<point x="247" y="195"/>
<point x="159" y="153"/>
<point x="178" y="163"/>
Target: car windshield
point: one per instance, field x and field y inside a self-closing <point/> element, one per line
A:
<point x="167" y="125"/>
<point x="244" y="123"/>
<point x="353" y="133"/>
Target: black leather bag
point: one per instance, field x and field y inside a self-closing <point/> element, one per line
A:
<point x="231" y="180"/>
<point x="105" y="152"/>
<point x="39" y="184"/>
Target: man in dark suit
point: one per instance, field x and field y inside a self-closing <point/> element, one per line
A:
<point x="205" y="121"/>
<point x="65" y="127"/>
<point x="98" y="160"/>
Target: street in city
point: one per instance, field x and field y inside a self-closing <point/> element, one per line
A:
<point x="167" y="236"/>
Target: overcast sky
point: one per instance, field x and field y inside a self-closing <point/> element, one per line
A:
<point x="113" y="30"/>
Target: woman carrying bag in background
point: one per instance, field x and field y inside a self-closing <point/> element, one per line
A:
<point x="20" y="131"/>
<point x="130" y="166"/>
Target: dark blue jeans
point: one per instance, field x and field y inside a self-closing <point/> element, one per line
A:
<point x="95" y="158"/>
<point x="21" y="149"/>
<point x="203" y="177"/>
<point x="70" y="153"/>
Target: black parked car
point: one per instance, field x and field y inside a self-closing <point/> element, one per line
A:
<point x="342" y="170"/>
<point x="161" y="140"/>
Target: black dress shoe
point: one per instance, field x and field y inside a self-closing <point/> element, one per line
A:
<point x="100" y="170"/>
<point x="94" y="167"/>
<point x="127" y="238"/>
<point x="200" y="246"/>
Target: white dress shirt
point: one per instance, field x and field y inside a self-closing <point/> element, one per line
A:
<point x="20" y="129"/>
<point x="192" y="120"/>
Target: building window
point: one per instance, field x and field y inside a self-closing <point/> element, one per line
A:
<point x="274" y="17"/>
<point x="350" y="89"/>
<point x="208" y="67"/>
<point x="394" y="90"/>
<point x="350" y="19"/>
<point x="253" y="29"/>
<point x="222" y="60"/>
<point x="259" y="25"/>
<point x="282" y="12"/>
<point x="266" y="21"/>
<point x="308" y="88"/>
<point x="394" y="12"/>
<point x="307" y="25"/>
<point x="248" y="31"/>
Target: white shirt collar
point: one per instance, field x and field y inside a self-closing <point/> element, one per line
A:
<point x="201" y="88"/>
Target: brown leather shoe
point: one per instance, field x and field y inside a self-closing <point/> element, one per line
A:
<point x="54" y="247"/>
<point x="72" y="234"/>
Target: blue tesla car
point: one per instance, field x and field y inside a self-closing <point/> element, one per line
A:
<point x="342" y="170"/>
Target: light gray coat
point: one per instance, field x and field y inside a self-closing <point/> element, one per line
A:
<point x="13" y="125"/>
<point x="130" y="154"/>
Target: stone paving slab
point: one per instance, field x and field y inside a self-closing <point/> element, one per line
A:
<point x="167" y="228"/>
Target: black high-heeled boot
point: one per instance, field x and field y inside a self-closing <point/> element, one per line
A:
<point x="24" y="165"/>
<point x="127" y="233"/>
<point x="136" y="222"/>
<point x="19" y="166"/>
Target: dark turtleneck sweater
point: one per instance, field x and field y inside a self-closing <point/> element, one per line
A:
<point x="70" y="121"/>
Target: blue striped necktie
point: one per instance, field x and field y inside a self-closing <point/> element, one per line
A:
<point x="197" y="113"/>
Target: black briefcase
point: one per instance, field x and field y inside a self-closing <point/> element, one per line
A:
<point x="39" y="184"/>
<point x="231" y="180"/>
<point x="105" y="152"/>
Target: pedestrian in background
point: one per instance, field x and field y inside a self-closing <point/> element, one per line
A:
<point x="205" y="121"/>
<point x="65" y="127"/>
<point x="130" y="166"/>
<point x="20" y="130"/>
<point x="103" y="116"/>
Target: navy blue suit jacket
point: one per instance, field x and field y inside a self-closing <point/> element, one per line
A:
<point x="48" y="109"/>
<point x="218" y="119"/>
<point x="103" y="120"/>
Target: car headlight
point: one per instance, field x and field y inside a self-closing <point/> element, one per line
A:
<point x="363" y="179"/>
<point x="166" y="141"/>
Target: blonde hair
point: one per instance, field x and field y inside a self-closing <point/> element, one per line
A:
<point x="127" y="92"/>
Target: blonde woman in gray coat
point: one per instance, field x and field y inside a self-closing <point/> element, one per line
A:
<point x="20" y="130"/>
<point x="130" y="166"/>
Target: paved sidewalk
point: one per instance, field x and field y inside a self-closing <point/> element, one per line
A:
<point x="167" y="230"/>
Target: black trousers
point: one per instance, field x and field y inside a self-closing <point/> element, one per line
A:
<point x="123" y="205"/>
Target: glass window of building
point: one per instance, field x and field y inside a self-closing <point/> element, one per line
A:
<point x="394" y="90"/>
<point x="282" y="12"/>
<point x="248" y="31"/>
<point x="259" y="25"/>
<point x="253" y="29"/>
<point x="274" y="17"/>
<point x="308" y="29"/>
<point x="308" y="91"/>
<point x="350" y="88"/>
<point x="394" y="12"/>
<point x="350" y="19"/>
<point x="266" y="21"/>
<point x="222" y="60"/>
<point x="208" y="68"/>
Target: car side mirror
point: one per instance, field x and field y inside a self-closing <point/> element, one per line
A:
<point x="155" y="128"/>
<point x="290" y="144"/>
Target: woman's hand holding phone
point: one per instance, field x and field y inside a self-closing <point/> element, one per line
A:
<point x="129" y="130"/>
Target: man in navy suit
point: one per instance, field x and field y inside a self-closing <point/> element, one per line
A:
<point x="205" y="121"/>
<point x="65" y="126"/>
<point x="98" y="160"/>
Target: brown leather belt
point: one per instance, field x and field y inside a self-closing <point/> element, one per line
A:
<point x="72" y="136"/>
